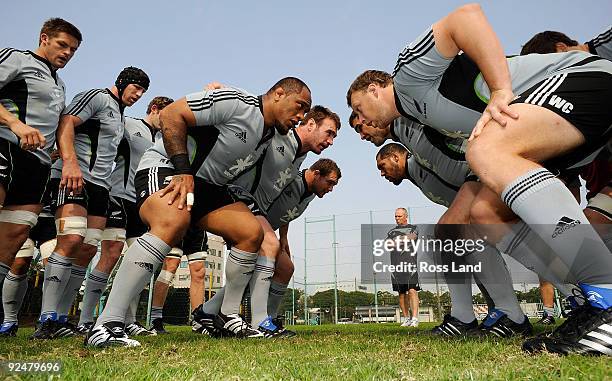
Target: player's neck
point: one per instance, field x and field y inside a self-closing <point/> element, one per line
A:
<point x="309" y="176"/>
<point x="268" y="111"/>
<point x="115" y="91"/>
<point x="388" y="97"/>
<point x="303" y="136"/>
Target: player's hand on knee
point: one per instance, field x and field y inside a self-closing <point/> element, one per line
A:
<point x="180" y="189"/>
<point x="72" y="178"/>
<point x="29" y="138"/>
<point x="498" y="110"/>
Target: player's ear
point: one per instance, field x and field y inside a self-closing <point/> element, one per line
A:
<point x="279" y="93"/>
<point x="561" y="47"/>
<point x="373" y="89"/>
<point x="44" y="38"/>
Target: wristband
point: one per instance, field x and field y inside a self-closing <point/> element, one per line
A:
<point x="181" y="164"/>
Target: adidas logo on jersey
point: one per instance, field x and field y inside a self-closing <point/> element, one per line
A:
<point x="110" y="114"/>
<point x="116" y="213"/>
<point x="142" y="194"/>
<point x="138" y="134"/>
<point x="39" y="75"/>
<point x="564" y="224"/>
<point x="561" y="104"/>
<point x="281" y="150"/>
<point x="53" y="279"/>
<point x="242" y="136"/>
<point x="145" y="265"/>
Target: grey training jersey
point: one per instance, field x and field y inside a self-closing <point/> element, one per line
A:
<point x="31" y="90"/>
<point x="97" y="138"/>
<point x="449" y="94"/>
<point x="602" y="44"/>
<point x="440" y="154"/>
<point x="292" y="202"/>
<point x="431" y="185"/>
<point x="229" y="136"/>
<point x="275" y="170"/>
<point x="137" y="138"/>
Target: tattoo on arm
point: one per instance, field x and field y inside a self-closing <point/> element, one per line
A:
<point x="174" y="131"/>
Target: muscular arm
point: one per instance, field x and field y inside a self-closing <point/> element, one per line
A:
<point x="174" y="121"/>
<point x="71" y="173"/>
<point x="30" y="138"/>
<point x="456" y="32"/>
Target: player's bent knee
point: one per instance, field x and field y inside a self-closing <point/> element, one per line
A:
<point x="114" y="249"/>
<point x="21" y="265"/>
<point x="270" y="245"/>
<point x="478" y="154"/>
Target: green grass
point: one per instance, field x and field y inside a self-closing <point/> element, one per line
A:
<point x="344" y="352"/>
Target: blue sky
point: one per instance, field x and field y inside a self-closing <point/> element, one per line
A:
<point x="250" y="44"/>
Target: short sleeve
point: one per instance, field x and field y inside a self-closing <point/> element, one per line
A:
<point x="212" y="107"/>
<point x="87" y="104"/>
<point x="419" y="64"/>
<point x="11" y="61"/>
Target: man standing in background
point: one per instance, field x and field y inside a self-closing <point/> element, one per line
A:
<point x="404" y="282"/>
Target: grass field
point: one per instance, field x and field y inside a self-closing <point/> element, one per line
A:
<point x="342" y="352"/>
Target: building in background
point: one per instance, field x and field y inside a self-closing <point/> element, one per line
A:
<point x="215" y="266"/>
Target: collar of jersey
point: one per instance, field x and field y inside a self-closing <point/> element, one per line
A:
<point x="394" y="136"/>
<point x="46" y="62"/>
<point x="299" y="145"/>
<point x="306" y="191"/>
<point x="121" y="106"/>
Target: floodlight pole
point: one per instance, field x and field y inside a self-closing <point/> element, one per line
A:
<point x="335" y="271"/>
<point x="374" y="273"/>
<point x="293" y="300"/>
<point x="305" y="279"/>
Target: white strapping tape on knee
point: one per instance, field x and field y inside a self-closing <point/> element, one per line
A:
<point x="175" y="252"/>
<point x="197" y="256"/>
<point x="27" y="249"/>
<point x="602" y="202"/>
<point x="46" y="249"/>
<point x="165" y="276"/>
<point x="113" y="234"/>
<point x="93" y="237"/>
<point x="19" y="217"/>
<point x="71" y="225"/>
